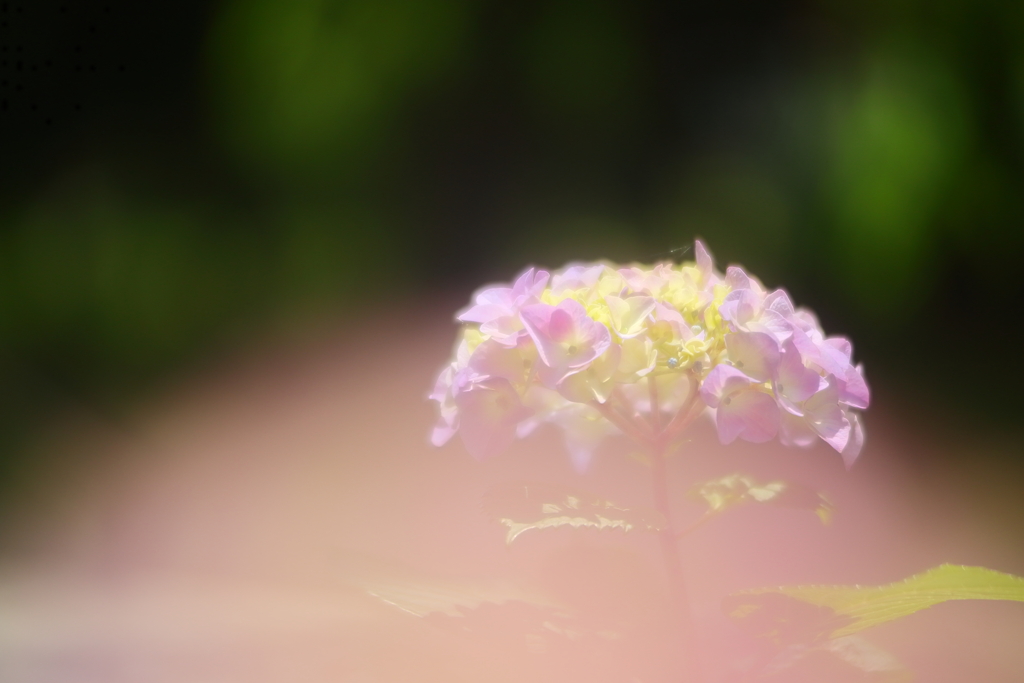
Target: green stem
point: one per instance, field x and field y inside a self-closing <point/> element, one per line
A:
<point x="674" y="568"/>
<point x="628" y="427"/>
<point x="652" y="386"/>
<point x="668" y="540"/>
<point x="658" y="440"/>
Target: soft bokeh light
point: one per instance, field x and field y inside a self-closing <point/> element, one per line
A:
<point x="233" y="234"/>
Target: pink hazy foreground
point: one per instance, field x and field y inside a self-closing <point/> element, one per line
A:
<point x="286" y="519"/>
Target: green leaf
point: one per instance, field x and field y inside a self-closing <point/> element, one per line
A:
<point x="809" y="613"/>
<point x="737" y="489"/>
<point x="524" y="506"/>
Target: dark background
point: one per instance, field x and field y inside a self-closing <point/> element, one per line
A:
<point x="181" y="180"/>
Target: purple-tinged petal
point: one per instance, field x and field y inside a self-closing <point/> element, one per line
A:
<point x="501" y="296"/>
<point x="833" y="354"/>
<point x="737" y="278"/>
<point x="667" y="313"/>
<point x="794" y="431"/>
<point x="833" y="428"/>
<point x="583" y="428"/>
<point x="840" y="348"/>
<point x="443" y="384"/>
<point x="448" y="411"/>
<point x="827" y="396"/>
<point x="505" y="330"/>
<point x="779" y="302"/>
<point x="826" y="417"/>
<point x="465" y="379"/>
<point x="482" y="313"/>
<point x="530" y="284"/>
<point x="593" y="382"/>
<point x="856" y="443"/>
<point x="705" y="265"/>
<point x="566" y="337"/>
<point x="795" y="382"/>
<point x="496" y="360"/>
<point x="561" y="323"/>
<point x="853" y="390"/>
<point x="755" y="353"/>
<point x="442" y="433"/>
<point x="488" y="303"/>
<point x="739" y="307"/>
<point x="537" y="319"/>
<point x="497" y="308"/>
<point x="750" y="415"/>
<point x="805" y="320"/>
<point x="641" y="281"/>
<point x="488" y="415"/>
<point x="576" y="276"/>
<point x="811" y="351"/>
<point x="721" y="382"/>
<point x="773" y="323"/>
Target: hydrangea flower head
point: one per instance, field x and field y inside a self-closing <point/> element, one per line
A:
<point x="598" y="349"/>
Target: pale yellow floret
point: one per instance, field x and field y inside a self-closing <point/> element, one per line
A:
<point x="552" y="299"/>
<point x="598" y="310"/>
<point x="611" y="282"/>
<point x="712" y="318"/>
<point x="661" y="348"/>
<point x="472" y="337"/>
<point x="680" y="290"/>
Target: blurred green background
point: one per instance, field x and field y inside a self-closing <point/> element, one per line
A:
<point x="179" y="179"/>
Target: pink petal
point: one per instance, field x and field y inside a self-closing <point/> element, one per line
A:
<point x="834" y="355"/>
<point x="442" y="433"/>
<point x="750" y="415"/>
<point x="566" y="338"/>
<point x="577" y="276"/>
<point x="704" y="262"/>
<point x="583" y="429"/>
<point x="443" y="384"/>
<point x="488" y="414"/>
<point x="592" y="383"/>
<point x="721" y="382"/>
<point x="773" y="323"/>
<point x="737" y="278"/>
<point x="826" y="417"/>
<point x="821" y="352"/>
<point x="496" y="360"/>
<point x="663" y="311"/>
<point x="530" y="284"/>
<point x="482" y="313"/>
<point x="739" y="307"/>
<point x="840" y="348"/>
<point x="805" y="319"/>
<point x="537" y="320"/>
<point x="641" y="281"/>
<point x="793" y="380"/>
<point x="853" y="390"/>
<point x="560" y="324"/>
<point x="592" y="338"/>
<point x="794" y="431"/>
<point x="834" y="429"/>
<point x="755" y="353"/>
<point x="504" y="329"/>
<point x="853" y="447"/>
<point x="779" y="302"/>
